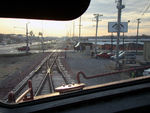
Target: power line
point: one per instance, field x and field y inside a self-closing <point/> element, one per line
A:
<point x="146" y="9"/>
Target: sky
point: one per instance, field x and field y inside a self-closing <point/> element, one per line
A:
<point x="133" y="10"/>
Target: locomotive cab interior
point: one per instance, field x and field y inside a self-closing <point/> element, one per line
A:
<point x="122" y="96"/>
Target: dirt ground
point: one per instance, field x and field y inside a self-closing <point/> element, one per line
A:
<point x="14" y="69"/>
<point x="9" y="65"/>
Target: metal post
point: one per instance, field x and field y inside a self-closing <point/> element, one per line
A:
<point x="119" y="7"/>
<point x="43" y="43"/>
<point x="111" y="42"/>
<point x="138" y="22"/>
<point x="42" y="40"/>
<point x="11" y="97"/>
<point x="97" y="18"/>
<point x="123" y="40"/>
<point x="30" y="86"/>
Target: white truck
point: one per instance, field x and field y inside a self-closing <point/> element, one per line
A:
<point x="146" y="72"/>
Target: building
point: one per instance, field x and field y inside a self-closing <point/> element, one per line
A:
<point x="83" y="45"/>
<point x="147" y="51"/>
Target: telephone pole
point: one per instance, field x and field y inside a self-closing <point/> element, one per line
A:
<point x="73" y="34"/>
<point x="27" y="40"/>
<point x="119" y="7"/>
<point x="80" y="29"/>
<point x="97" y="20"/>
<point x="138" y="23"/>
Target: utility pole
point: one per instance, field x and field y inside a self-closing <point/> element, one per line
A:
<point x="27" y="40"/>
<point x="97" y="20"/>
<point x="80" y="29"/>
<point x="80" y="33"/>
<point x="73" y="29"/>
<point x="138" y="23"/>
<point x="119" y="7"/>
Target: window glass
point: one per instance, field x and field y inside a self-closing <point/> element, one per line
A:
<point x="109" y="42"/>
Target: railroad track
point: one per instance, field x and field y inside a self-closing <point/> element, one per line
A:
<point x="49" y="75"/>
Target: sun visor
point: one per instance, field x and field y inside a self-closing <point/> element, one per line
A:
<point x="44" y="9"/>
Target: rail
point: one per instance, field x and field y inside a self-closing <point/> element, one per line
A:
<point x="62" y="72"/>
<point x="106" y="74"/>
<point x="13" y="94"/>
<point x="47" y="76"/>
<point x="31" y="75"/>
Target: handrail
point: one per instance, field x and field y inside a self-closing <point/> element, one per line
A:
<point x="11" y="97"/>
<point x="23" y="95"/>
<point x="106" y="74"/>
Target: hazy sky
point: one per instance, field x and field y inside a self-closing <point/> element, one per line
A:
<point x="133" y="9"/>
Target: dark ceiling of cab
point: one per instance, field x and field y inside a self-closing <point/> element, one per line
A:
<point x="44" y="9"/>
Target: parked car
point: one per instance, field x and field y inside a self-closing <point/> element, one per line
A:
<point x="120" y="56"/>
<point x="146" y="72"/>
<point x="110" y="54"/>
<point x="23" y="48"/>
<point x="130" y="56"/>
<point x="104" y="55"/>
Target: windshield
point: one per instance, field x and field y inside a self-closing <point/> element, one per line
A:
<point x="39" y="57"/>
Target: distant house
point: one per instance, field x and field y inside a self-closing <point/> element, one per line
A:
<point x="83" y="45"/>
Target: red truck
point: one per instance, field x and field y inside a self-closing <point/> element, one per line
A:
<point x="23" y="48"/>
